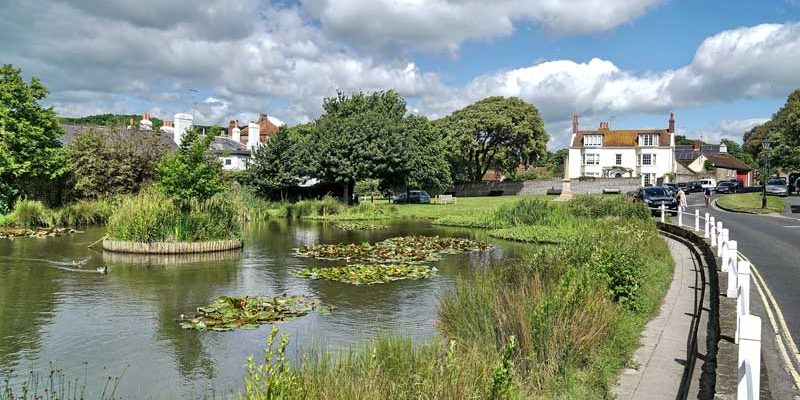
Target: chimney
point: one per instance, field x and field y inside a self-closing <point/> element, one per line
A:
<point x="253" y="135"/>
<point x="723" y="148"/>
<point x="603" y="126"/>
<point x="167" y="127"/>
<point x="145" y="124"/>
<point x="671" y="123"/>
<point x="575" y="123"/>
<point x="183" y="122"/>
<point x="697" y="145"/>
<point x="236" y="133"/>
<point x="130" y="123"/>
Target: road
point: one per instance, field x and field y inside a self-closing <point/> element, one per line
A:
<point x="772" y="243"/>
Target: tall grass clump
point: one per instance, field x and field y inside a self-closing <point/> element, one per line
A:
<point x="589" y="206"/>
<point x="531" y="211"/>
<point x="152" y="216"/>
<point x="29" y="214"/>
<point x="84" y="212"/>
<point x="250" y="207"/>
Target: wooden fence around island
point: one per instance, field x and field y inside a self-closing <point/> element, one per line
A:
<point x="171" y="248"/>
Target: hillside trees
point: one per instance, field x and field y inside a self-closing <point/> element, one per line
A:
<point x="495" y="133"/>
<point x="783" y="130"/>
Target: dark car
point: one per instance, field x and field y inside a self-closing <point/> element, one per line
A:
<point x="737" y="183"/>
<point x="695" y="186"/>
<point x="413" y="197"/>
<point x="683" y="185"/>
<point x="726" y="187"/>
<point x="655" y="196"/>
<point x="672" y="188"/>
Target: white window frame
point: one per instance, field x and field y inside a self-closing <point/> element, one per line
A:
<point x="648" y="140"/>
<point x="593" y="140"/>
<point x="591" y="159"/>
<point x="618" y="159"/>
<point x="647" y="179"/>
<point x="647" y="159"/>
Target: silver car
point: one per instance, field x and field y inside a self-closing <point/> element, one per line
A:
<point x="777" y="187"/>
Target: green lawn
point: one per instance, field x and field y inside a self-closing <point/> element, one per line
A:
<point x="751" y="202"/>
<point x="463" y="206"/>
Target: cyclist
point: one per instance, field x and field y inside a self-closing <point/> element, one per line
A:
<point x="707" y="195"/>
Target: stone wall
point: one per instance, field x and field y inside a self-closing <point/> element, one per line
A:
<point x="542" y="186"/>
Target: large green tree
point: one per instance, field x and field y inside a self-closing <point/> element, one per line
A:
<point x="192" y="172"/>
<point x="282" y="161"/>
<point x="783" y="130"/>
<point x="496" y="133"/>
<point x="29" y="132"/>
<point x="369" y="136"/>
<point x="110" y="162"/>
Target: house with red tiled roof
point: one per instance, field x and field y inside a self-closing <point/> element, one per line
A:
<point x="692" y="162"/>
<point x="646" y="153"/>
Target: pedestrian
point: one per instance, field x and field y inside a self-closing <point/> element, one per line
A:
<point x="707" y="195"/>
<point x="682" y="198"/>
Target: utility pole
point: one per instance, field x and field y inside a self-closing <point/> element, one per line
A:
<point x="765" y="144"/>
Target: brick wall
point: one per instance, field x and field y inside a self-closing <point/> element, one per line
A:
<point x="541" y="186"/>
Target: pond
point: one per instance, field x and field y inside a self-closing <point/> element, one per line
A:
<point x="125" y="323"/>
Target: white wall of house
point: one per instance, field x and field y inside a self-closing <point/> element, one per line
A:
<point x="234" y="162"/>
<point x="580" y="163"/>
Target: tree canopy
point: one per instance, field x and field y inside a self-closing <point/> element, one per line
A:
<point x="282" y="161"/>
<point x="783" y="130"/>
<point x="192" y="172"/>
<point x="111" y="162"/>
<point x="495" y="133"/>
<point x="29" y="132"/>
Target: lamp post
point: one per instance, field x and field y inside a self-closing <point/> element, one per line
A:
<point x="765" y="144"/>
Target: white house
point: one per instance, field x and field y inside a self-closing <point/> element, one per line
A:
<point x="606" y="153"/>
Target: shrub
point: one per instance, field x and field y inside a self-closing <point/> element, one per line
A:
<point x="607" y="206"/>
<point x="153" y="217"/>
<point x="29" y="213"/>
<point x="84" y="212"/>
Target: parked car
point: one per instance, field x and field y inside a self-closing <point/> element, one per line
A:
<point x="708" y="184"/>
<point x="655" y="196"/>
<point x="797" y="186"/>
<point x="695" y="186"/>
<point x="794" y="183"/>
<point x="726" y="187"/>
<point x="683" y="185"/>
<point x="413" y="197"/>
<point x="777" y="187"/>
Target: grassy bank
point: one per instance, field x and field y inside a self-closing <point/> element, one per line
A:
<point x="559" y="324"/>
<point x="751" y="202"/>
<point x="34" y="214"/>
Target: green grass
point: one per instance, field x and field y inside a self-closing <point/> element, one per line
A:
<point x="751" y="202"/>
<point x="558" y="324"/>
<point x="151" y="216"/>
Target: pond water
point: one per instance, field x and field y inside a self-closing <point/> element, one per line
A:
<point x="93" y="326"/>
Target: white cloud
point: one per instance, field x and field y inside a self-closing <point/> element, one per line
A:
<point x="732" y="129"/>
<point x="445" y="24"/>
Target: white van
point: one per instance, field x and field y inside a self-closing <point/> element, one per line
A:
<point x="708" y="183"/>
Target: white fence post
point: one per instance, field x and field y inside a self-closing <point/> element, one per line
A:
<point x="733" y="267"/>
<point x="743" y="296"/>
<point x="663" y="213"/>
<point x="680" y="216"/>
<point x="748" y="384"/>
<point x="713" y="233"/>
<point x="697" y="220"/>
<point x="708" y="226"/>
<point x="718" y="231"/>
<point x="723" y="237"/>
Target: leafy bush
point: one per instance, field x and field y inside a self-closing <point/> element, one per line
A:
<point x="153" y="217"/>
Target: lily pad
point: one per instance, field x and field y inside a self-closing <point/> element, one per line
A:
<point x="399" y="250"/>
<point x="228" y="313"/>
<point x="34" y="233"/>
<point x="369" y="274"/>
<point x="359" y="226"/>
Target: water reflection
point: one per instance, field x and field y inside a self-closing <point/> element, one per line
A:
<point x="127" y="321"/>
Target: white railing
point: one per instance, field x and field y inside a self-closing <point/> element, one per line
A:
<point x="748" y="327"/>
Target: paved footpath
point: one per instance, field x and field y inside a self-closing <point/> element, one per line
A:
<point x="660" y="361"/>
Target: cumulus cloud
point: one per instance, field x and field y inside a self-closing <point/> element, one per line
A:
<point x="252" y="57"/>
<point x="444" y="24"/>
<point x="732" y="129"/>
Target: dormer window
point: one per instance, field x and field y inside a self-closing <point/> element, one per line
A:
<point x="648" y="140"/>
<point x="593" y="141"/>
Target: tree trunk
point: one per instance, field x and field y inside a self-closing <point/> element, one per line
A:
<point x="347" y="192"/>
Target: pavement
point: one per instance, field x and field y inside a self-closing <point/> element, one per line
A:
<point x="772" y="244"/>
<point x="661" y="361"/>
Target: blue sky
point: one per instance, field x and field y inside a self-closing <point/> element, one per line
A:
<point x="722" y="67"/>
